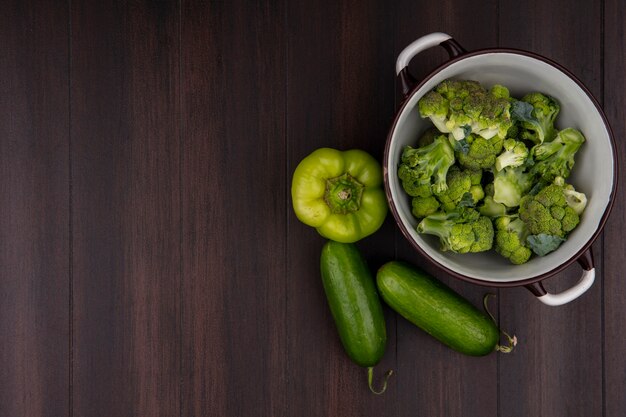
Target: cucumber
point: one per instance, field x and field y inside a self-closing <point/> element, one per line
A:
<point x="354" y="303"/>
<point x="437" y="309"/>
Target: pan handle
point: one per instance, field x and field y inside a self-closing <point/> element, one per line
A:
<point x="428" y="41"/>
<point x="585" y="282"/>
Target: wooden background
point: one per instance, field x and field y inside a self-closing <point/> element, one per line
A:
<point x="150" y="262"/>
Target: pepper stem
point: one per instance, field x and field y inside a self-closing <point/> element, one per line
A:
<point x="343" y="194"/>
<point x="511" y="339"/>
<point x="370" y="379"/>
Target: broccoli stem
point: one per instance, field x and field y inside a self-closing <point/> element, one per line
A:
<point x="432" y="225"/>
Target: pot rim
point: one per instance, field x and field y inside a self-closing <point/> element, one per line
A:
<point x="584" y="248"/>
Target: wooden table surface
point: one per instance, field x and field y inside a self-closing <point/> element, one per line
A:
<point x="150" y="261"/>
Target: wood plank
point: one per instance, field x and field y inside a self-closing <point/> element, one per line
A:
<point x="34" y="202"/>
<point x="614" y="248"/>
<point x="436" y="380"/>
<point x="195" y="290"/>
<point x="234" y="209"/>
<point x="340" y="95"/>
<point x="557" y="368"/>
<point x="126" y="214"/>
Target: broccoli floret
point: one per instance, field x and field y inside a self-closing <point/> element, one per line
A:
<point x="459" y="231"/>
<point x="464" y="189"/>
<point x="542" y="244"/>
<point x="492" y="209"/>
<point x="461" y="107"/>
<point x="521" y="204"/>
<point x="500" y="91"/>
<point x="510" y="185"/>
<point x="556" y="158"/>
<point x="576" y="200"/>
<point x="548" y="213"/>
<point x="434" y="106"/>
<point x="412" y="185"/>
<point x="510" y="239"/>
<point x="489" y="191"/>
<point x="421" y="167"/>
<point x="459" y="182"/>
<point x="536" y="113"/>
<point x="427" y="137"/>
<point x="477" y="192"/>
<point x="476" y="176"/>
<point x="424" y="206"/>
<point x="514" y="155"/>
<point x="514" y="131"/>
<point x="480" y="153"/>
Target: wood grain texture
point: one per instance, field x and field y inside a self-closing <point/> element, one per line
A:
<point x="126" y="209"/>
<point x="234" y="209"/>
<point x="434" y="379"/>
<point x="151" y="263"/>
<point x="532" y="378"/>
<point x="339" y="95"/>
<point x="614" y="248"/>
<point x="34" y="210"/>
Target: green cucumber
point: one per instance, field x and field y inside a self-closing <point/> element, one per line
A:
<point x="355" y="305"/>
<point x="437" y="309"/>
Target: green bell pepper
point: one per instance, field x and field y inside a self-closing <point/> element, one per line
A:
<point x="340" y="194"/>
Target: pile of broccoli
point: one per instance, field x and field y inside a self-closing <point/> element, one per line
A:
<point x="491" y="173"/>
